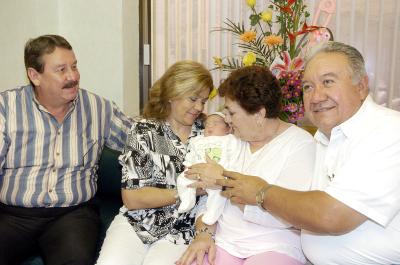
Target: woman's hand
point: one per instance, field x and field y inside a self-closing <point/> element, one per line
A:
<point x="239" y="188"/>
<point x="206" y="174"/>
<point x="202" y="244"/>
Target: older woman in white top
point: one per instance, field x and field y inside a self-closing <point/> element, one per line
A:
<point x="277" y="151"/>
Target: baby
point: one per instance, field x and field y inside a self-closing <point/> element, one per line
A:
<point x="219" y="145"/>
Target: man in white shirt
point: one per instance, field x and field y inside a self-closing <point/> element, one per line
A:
<point x="353" y="214"/>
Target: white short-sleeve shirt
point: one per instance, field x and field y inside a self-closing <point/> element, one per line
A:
<point x="360" y="166"/>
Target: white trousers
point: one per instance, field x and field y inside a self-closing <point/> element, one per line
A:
<point x="123" y="247"/>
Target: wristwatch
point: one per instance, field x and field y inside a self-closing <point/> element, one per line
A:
<point x="260" y="195"/>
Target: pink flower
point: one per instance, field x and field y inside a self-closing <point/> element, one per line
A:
<point x="292" y="102"/>
<point x="292" y="107"/>
<point x="287" y="95"/>
<point x="288" y="65"/>
<point x="293" y="118"/>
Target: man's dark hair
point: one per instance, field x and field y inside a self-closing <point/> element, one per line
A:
<point x="36" y="48"/>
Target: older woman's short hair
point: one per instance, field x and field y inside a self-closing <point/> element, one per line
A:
<point x="253" y="88"/>
<point x="180" y="79"/>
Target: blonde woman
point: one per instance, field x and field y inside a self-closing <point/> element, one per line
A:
<point x="149" y="229"/>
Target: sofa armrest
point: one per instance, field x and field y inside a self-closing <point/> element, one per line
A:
<point x="108" y="189"/>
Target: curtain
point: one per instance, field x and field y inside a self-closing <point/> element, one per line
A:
<point x="187" y="29"/>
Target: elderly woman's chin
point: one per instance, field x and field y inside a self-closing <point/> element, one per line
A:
<point x="239" y="135"/>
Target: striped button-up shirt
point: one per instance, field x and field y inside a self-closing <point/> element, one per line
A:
<point x="44" y="163"/>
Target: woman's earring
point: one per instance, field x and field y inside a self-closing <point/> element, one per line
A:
<point x="258" y="122"/>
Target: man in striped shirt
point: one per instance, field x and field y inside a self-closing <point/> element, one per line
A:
<point x="52" y="135"/>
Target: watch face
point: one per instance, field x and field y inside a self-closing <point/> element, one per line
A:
<point x="260" y="195"/>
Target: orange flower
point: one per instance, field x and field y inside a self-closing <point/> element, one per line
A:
<point x="248" y="36"/>
<point x="273" y="40"/>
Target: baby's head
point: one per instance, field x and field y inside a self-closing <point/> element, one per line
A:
<point x="215" y="125"/>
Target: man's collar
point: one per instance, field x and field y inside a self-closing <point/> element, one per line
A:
<point x="356" y="123"/>
<point x="31" y="91"/>
<point x="321" y="138"/>
<point x="352" y="126"/>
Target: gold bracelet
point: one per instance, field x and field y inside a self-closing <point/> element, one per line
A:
<point x="204" y="230"/>
<point x="260" y="195"/>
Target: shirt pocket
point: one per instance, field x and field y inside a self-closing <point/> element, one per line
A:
<point x="91" y="150"/>
<point x="83" y="154"/>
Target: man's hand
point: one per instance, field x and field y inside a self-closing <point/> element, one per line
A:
<point x="239" y="188"/>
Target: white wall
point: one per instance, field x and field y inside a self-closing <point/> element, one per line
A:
<point x="19" y="21"/>
<point x="103" y="34"/>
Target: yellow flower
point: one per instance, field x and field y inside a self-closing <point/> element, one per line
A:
<point x="217" y="61"/>
<point x="251" y="3"/>
<point x="248" y="36"/>
<point x="273" y="40"/>
<point x="213" y="93"/>
<point x="266" y="15"/>
<point x="249" y="59"/>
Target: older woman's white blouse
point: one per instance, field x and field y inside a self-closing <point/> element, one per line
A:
<point x="287" y="161"/>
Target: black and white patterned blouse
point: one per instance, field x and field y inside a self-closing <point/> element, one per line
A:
<point x="153" y="157"/>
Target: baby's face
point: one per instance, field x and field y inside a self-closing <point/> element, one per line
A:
<point x="215" y="126"/>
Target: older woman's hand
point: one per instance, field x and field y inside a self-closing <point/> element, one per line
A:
<point x="196" y="251"/>
<point x="239" y="188"/>
<point x="206" y="174"/>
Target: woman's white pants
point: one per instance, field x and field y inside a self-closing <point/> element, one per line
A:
<point x="123" y="247"/>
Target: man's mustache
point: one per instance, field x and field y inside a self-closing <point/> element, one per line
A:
<point x="70" y="84"/>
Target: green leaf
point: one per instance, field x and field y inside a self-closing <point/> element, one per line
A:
<point x="254" y="18"/>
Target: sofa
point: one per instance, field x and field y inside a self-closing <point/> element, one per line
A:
<point x="108" y="195"/>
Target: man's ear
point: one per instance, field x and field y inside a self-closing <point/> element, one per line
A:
<point x="34" y="76"/>
<point x="363" y="87"/>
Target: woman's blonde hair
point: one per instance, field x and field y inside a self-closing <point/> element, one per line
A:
<point x="183" y="77"/>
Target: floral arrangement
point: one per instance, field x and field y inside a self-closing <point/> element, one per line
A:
<point x="292" y="96"/>
<point x="276" y="39"/>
